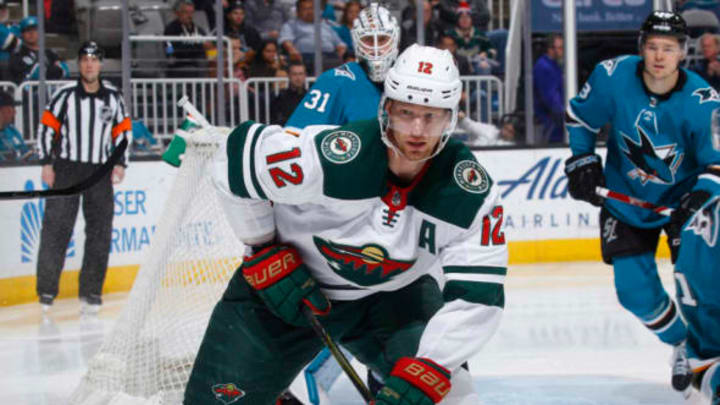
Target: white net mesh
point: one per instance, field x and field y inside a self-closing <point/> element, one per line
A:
<point x="148" y="355"/>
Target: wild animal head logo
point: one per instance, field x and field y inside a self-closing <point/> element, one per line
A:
<point x="656" y="164"/>
<point x="706" y="222"/>
<point x="227" y="393"/>
<point x="364" y="265"/>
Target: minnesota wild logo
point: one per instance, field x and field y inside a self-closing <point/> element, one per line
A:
<point x="340" y="146"/>
<point x="471" y="177"/>
<point x="365" y="265"/>
<point x="227" y="393"/>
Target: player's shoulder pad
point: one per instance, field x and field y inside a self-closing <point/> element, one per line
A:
<point x="455" y="187"/>
<point x="700" y="90"/>
<point x="353" y="159"/>
<point x="619" y="65"/>
<point x="342" y="75"/>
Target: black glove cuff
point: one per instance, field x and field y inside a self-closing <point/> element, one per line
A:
<point x="579" y="161"/>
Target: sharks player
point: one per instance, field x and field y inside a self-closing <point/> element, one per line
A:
<point x="697" y="282"/>
<point x="351" y="92"/>
<point x="659" y="143"/>
<point x="362" y="215"/>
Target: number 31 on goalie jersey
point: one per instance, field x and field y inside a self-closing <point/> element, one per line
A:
<point x="280" y="176"/>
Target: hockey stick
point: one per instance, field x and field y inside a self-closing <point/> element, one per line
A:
<point x="339" y="356"/>
<point x="98" y="174"/>
<point x="614" y="195"/>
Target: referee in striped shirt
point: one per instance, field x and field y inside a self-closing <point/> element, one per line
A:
<point x="82" y="124"/>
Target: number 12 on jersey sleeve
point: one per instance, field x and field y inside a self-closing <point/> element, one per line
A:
<point x="280" y="176"/>
<point x="492" y="228"/>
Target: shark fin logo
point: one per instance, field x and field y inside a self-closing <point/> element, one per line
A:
<point x="344" y="70"/>
<point x="365" y="265"/>
<point x="227" y="393"/>
<point x="706" y="222"/>
<point x="656" y="164"/>
<point x="31" y="218"/>
<point x="706" y="94"/>
<point x="611" y="64"/>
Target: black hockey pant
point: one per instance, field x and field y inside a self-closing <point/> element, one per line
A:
<point x="57" y="229"/>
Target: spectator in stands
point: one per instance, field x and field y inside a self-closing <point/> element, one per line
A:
<point x="433" y="29"/>
<point x="709" y="66"/>
<point x="208" y="6"/>
<point x="479" y="12"/>
<point x="267" y="16"/>
<point x="285" y="102"/>
<point x="10" y="41"/>
<point x="448" y="43"/>
<point x="186" y="55"/>
<point x="24" y="63"/>
<point x="12" y="144"/>
<point x="472" y="43"/>
<point x="344" y="29"/>
<point x="267" y="62"/>
<point x="297" y="37"/>
<point x="236" y="27"/>
<point x="549" y="103"/>
<point x="60" y="17"/>
<point x="481" y="134"/>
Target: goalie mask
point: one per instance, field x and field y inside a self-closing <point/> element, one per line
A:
<point x="375" y="36"/>
<point x="426" y="77"/>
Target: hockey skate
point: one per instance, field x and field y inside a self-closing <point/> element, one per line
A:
<point x="681" y="373"/>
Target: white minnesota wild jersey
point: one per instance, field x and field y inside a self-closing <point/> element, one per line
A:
<point x="361" y="232"/>
<point x="358" y="231"/>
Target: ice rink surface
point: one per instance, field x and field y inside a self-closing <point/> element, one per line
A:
<point x="564" y="340"/>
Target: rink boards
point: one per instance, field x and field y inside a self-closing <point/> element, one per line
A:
<point x="542" y="223"/>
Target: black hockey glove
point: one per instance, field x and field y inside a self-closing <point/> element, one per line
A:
<point x="584" y="173"/>
<point x="690" y="203"/>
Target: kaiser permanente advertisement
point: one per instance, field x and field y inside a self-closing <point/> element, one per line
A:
<point x="541" y="221"/>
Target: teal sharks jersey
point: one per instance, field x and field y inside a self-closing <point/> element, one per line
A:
<point x="657" y="144"/>
<point x="361" y="232"/>
<point x="339" y="96"/>
<point x="697" y="282"/>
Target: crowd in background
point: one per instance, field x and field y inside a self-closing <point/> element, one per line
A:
<point x="275" y="38"/>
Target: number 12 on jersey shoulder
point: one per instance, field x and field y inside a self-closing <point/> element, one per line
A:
<point x="280" y="176"/>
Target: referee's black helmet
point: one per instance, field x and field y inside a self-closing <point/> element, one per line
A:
<point x="91" y="48"/>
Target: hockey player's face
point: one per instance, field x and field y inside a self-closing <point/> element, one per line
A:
<point x="662" y="56"/>
<point x="415" y="129"/>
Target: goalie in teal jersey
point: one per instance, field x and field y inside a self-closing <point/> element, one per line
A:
<point x="351" y="92"/>
<point x="363" y="217"/>
<point x="660" y="141"/>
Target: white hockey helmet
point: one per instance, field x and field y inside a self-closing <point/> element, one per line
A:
<point x="426" y="76"/>
<point x="375" y="36"/>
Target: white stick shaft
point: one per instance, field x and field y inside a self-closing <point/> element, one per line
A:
<point x="190" y="109"/>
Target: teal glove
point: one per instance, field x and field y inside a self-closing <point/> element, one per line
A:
<point x="415" y="381"/>
<point x="284" y="283"/>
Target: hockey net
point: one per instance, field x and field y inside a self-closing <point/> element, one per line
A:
<point x="148" y="355"/>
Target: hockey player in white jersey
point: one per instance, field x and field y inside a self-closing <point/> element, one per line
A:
<point x="362" y="215"/>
